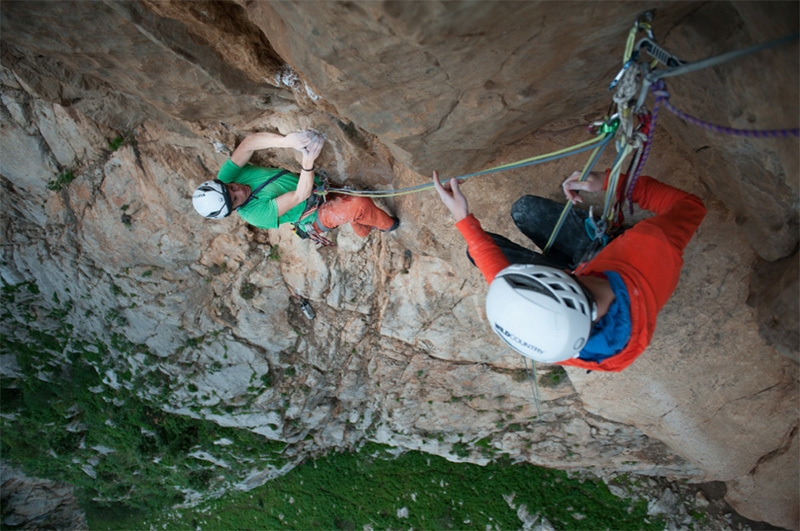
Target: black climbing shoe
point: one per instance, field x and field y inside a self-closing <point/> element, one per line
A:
<point x="394" y="225"/>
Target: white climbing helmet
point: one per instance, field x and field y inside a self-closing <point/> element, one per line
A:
<point x="541" y="312"/>
<point x="212" y="200"/>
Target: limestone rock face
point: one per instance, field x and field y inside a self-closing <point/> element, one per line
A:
<point x="731" y="166"/>
<point x="30" y="503"/>
<point x="112" y="113"/>
<point x="758" y="489"/>
<point x="773" y="290"/>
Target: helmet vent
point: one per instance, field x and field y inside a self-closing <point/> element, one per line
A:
<point x="570" y="303"/>
<point x="524" y="282"/>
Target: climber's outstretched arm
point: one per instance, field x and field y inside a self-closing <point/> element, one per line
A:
<point x="255" y="141"/>
<point x="480" y="246"/>
<point x="452" y="197"/>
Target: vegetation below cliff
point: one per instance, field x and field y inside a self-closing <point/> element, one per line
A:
<point x="376" y="488"/>
<point x="67" y="415"/>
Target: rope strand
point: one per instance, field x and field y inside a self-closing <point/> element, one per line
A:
<point x="719" y="59"/>
<point x="567" y="207"/>
<point x="539" y="159"/>
<point x="750" y="133"/>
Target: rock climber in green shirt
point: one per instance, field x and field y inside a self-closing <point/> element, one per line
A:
<point x="268" y="197"/>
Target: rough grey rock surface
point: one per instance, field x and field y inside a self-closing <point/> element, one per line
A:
<point x="773" y="294"/>
<point x="399" y="352"/>
<point x="30" y="503"/>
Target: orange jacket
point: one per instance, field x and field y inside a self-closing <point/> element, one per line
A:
<point x="648" y="257"/>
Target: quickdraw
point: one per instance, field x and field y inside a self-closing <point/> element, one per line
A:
<point x="633" y="133"/>
<point x="310" y="231"/>
<point x="629" y="125"/>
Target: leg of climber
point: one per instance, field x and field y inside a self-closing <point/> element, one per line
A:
<point x="517" y="254"/>
<point x="362" y="214"/>
<point x="536" y="217"/>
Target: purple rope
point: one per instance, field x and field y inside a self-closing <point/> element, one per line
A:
<point x="659" y="90"/>
<point x="753" y="133"/>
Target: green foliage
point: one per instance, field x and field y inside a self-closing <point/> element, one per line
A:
<point x="75" y="415"/>
<point x="150" y="447"/>
<point x="485" y="447"/>
<point x="61" y="181"/>
<point x="116" y="143"/>
<point x="461" y="449"/>
<point x="31" y="287"/>
<point x="194" y="342"/>
<point x="556" y="376"/>
<point x="274" y="253"/>
<point x="266" y="379"/>
<point x="519" y="375"/>
<point x="248" y="290"/>
<point x="368" y="488"/>
<point x="64" y="408"/>
<point x="486" y="442"/>
<point x="113" y="317"/>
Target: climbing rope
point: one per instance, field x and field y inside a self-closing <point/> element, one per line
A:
<point x="659" y="90"/>
<point x="719" y="59"/>
<point x="638" y="75"/>
<point x="753" y="133"/>
<point x="613" y="183"/>
<point x="539" y="159"/>
<point x="534" y="384"/>
<point x="584" y="174"/>
<point x="650" y="127"/>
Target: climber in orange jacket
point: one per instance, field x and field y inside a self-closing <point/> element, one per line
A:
<point x="601" y="314"/>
